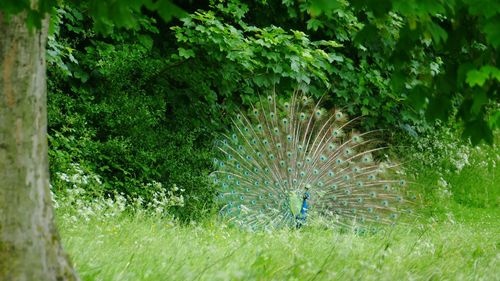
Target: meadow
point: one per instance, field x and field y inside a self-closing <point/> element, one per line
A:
<point x="463" y="246"/>
<point x="456" y="236"/>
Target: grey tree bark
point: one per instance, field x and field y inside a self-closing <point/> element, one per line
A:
<point x="30" y="247"/>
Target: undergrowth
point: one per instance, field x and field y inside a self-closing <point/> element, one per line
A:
<point x="451" y="173"/>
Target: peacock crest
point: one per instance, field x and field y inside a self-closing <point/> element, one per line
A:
<point x="287" y="160"/>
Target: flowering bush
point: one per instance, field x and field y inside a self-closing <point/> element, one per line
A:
<point x="448" y="167"/>
<point x="78" y="201"/>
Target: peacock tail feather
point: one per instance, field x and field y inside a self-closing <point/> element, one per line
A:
<point x="282" y="149"/>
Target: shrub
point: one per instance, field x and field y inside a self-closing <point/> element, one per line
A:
<point x="450" y="170"/>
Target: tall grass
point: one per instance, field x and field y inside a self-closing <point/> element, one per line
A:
<point x="145" y="248"/>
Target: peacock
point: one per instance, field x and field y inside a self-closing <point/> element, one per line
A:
<point x="290" y="159"/>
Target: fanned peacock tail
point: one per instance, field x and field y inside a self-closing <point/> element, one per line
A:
<point x="284" y="151"/>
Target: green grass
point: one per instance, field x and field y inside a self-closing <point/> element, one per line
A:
<point x="464" y="246"/>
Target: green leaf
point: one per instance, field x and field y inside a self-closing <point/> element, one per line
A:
<point x="329" y="43"/>
<point x="186" y="53"/>
<point x="319" y="7"/>
<point x="334" y="57"/>
<point x="476" y="77"/>
<point x="314" y="24"/>
<point x="479" y="77"/>
<point x="493" y="72"/>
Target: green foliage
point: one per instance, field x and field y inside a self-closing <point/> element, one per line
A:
<point x="462" y="35"/>
<point x="222" y="57"/>
<point x="106" y="15"/>
<point x="35" y="14"/>
<point x="262" y="57"/>
<point x="449" y="171"/>
<point x="113" y="113"/>
<point x="143" y="104"/>
<point x="258" y="58"/>
<point x="462" y="246"/>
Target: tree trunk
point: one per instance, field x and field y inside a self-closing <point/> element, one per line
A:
<point x="30" y="247"/>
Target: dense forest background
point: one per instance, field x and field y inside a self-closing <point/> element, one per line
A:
<point x="136" y="111"/>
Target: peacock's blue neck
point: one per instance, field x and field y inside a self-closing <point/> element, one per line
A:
<point x="303" y="210"/>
